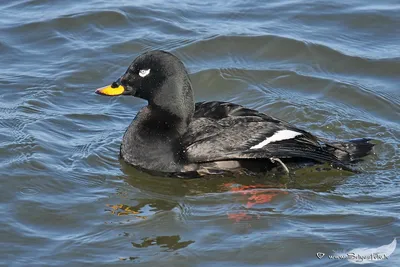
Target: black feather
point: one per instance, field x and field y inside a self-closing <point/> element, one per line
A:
<point x="172" y="134"/>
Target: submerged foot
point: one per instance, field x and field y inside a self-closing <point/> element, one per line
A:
<point x="280" y="161"/>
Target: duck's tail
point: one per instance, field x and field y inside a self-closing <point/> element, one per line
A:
<point x="352" y="150"/>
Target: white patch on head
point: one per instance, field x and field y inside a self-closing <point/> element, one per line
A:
<point x="144" y="73"/>
<point x="278" y="136"/>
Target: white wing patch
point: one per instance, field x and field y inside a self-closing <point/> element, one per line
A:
<point x="278" y="136"/>
<point x="144" y="73"/>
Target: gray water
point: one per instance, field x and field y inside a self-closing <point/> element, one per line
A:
<point x="331" y="67"/>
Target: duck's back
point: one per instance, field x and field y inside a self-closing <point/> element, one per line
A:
<point x="221" y="132"/>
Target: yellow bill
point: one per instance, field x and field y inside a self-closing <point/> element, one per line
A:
<point x="111" y="90"/>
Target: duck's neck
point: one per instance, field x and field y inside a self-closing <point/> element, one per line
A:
<point x="161" y="122"/>
<point x="173" y="106"/>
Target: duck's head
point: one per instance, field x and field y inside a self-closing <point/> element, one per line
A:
<point x="160" y="78"/>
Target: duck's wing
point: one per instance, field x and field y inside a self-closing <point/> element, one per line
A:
<point x="218" y="110"/>
<point x="226" y="131"/>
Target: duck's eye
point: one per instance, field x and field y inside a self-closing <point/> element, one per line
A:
<point x="144" y="73"/>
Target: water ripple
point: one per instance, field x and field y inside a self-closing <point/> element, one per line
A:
<point x="332" y="68"/>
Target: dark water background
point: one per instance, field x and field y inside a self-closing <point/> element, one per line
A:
<point x="332" y="67"/>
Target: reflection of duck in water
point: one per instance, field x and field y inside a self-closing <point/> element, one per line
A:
<point x="174" y="136"/>
<point x="171" y="243"/>
<point x="251" y="195"/>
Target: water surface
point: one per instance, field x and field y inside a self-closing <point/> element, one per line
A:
<point x="332" y="68"/>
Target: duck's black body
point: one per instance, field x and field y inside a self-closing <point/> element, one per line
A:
<point x="172" y="135"/>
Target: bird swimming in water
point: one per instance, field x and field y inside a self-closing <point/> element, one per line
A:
<point x="175" y="136"/>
